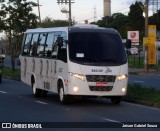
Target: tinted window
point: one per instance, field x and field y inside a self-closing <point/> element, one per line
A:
<point x="1" y="51"/>
<point x="34" y="44"/>
<point x="41" y="43"/>
<point x="62" y="51"/>
<point x="49" y="44"/>
<point x="27" y="44"/>
<point x="97" y="48"/>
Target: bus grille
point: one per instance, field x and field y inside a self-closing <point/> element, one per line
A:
<point x="100" y="78"/>
<point x="100" y="88"/>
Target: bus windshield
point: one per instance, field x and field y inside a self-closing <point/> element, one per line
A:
<point x="96" y="48"/>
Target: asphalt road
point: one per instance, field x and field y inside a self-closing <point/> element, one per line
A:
<point x="18" y="105"/>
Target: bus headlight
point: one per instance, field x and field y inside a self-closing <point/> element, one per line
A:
<point x="121" y="77"/>
<point x="123" y="89"/>
<point x="79" y="76"/>
<point x="75" y="89"/>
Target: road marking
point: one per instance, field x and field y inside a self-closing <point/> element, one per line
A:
<point x="3" y="92"/>
<point x="42" y="102"/>
<point x="110" y="120"/>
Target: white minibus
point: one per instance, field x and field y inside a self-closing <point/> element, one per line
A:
<point x="82" y="60"/>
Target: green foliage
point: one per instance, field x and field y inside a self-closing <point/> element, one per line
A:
<point x="8" y="72"/>
<point x="136" y="18"/>
<point x="49" y="22"/>
<point x="15" y="17"/>
<point x="135" y="61"/>
<point x="123" y="23"/>
<point x="154" y="20"/>
<point x="117" y="21"/>
<point x="138" y="92"/>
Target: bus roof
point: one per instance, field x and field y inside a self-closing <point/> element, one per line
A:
<point x="47" y="29"/>
<point x="75" y="27"/>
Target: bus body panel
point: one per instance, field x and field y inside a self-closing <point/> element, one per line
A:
<point x="59" y="72"/>
<point x="83" y="86"/>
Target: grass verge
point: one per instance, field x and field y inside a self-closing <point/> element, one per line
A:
<point x="138" y="62"/>
<point x="138" y="92"/>
<point x="135" y="62"/>
<point x="8" y="72"/>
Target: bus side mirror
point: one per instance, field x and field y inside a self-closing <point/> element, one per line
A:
<point x="18" y="62"/>
<point x="128" y="43"/>
<point x="60" y="41"/>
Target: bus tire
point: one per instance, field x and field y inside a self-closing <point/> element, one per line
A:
<point x="36" y="92"/>
<point x="63" y="99"/>
<point x="116" y="99"/>
<point x="0" y="78"/>
<point x="44" y="93"/>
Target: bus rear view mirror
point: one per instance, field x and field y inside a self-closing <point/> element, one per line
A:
<point x="60" y="41"/>
<point x="54" y="54"/>
<point x="18" y="62"/>
<point x="128" y="43"/>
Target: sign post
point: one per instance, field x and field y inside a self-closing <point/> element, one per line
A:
<point x="152" y="46"/>
<point x="151" y="54"/>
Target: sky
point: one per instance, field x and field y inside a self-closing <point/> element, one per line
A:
<point x="81" y="10"/>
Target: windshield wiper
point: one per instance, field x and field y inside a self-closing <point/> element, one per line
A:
<point x="110" y="60"/>
<point x="93" y="59"/>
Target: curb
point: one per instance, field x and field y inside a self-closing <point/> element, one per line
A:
<point x="7" y="77"/>
<point x="143" y="73"/>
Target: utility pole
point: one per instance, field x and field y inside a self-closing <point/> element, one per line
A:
<point x="39" y="11"/>
<point x="70" y="19"/>
<point x="95" y="14"/>
<point x="69" y="2"/>
<point x="146" y="35"/>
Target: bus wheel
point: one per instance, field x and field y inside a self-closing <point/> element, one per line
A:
<point x="44" y="93"/>
<point x="116" y="99"/>
<point x="62" y="97"/>
<point x="36" y="92"/>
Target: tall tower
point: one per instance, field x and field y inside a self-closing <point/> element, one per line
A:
<point x="107" y="7"/>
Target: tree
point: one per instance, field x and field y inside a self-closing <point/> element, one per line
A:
<point x="15" y="18"/>
<point x="117" y="21"/>
<point x="154" y="20"/>
<point x="136" y="18"/>
<point x="49" y="22"/>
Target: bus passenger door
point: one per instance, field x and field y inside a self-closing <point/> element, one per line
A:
<point x="54" y="74"/>
<point x="59" y="60"/>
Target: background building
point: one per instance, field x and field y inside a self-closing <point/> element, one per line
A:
<point x="107" y="7"/>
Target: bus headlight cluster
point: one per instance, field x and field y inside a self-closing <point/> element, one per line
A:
<point x="78" y="76"/>
<point x="121" y="77"/>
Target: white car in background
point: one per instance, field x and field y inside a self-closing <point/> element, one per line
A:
<point x="133" y="50"/>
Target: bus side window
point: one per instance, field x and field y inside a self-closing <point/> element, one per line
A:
<point x="62" y="50"/>
<point x="48" y="45"/>
<point x="41" y="43"/>
<point x="33" y="47"/>
<point x="27" y="43"/>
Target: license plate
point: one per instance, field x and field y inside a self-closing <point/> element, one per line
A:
<point x="101" y="83"/>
